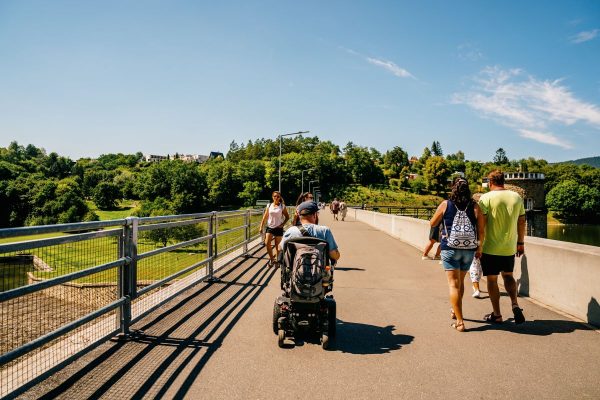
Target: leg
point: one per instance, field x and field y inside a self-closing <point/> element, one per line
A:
<point x="494" y="292"/>
<point x="438" y="252"/>
<point x="268" y="243"/>
<point x="277" y="242"/>
<point x="454" y="288"/>
<point x="511" y="287"/>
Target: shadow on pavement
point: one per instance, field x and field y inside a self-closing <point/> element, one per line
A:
<point x="539" y="327"/>
<point x="213" y="329"/>
<point x="356" y="338"/>
<point x="349" y="269"/>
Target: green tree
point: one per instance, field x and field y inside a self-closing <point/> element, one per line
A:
<point x="106" y="195"/>
<point x="436" y="174"/>
<point x="500" y="157"/>
<point x="574" y="201"/>
<point x="436" y="149"/>
<point x="394" y="162"/>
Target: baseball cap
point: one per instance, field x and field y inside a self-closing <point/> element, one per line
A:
<point x="307" y="208"/>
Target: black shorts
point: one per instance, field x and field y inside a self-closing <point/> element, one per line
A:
<point x="493" y="265"/>
<point x="275" y="231"/>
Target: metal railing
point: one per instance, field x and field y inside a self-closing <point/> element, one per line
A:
<point x="67" y="288"/>
<point x="415" y="212"/>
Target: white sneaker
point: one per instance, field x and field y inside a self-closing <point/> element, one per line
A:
<point x="425" y="258"/>
<point x="476" y="294"/>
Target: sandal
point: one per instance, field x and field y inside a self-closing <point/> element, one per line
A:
<point x="459" y="326"/>
<point x="518" y="313"/>
<point x="494" y="319"/>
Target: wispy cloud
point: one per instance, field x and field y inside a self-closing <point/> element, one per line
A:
<point x="385" y="64"/>
<point x="391" y="67"/>
<point x="528" y="105"/>
<point x="547" y="138"/>
<point x="469" y="52"/>
<point x="585" y="36"/>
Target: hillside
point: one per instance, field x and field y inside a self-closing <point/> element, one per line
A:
<point x="592" y="161"/>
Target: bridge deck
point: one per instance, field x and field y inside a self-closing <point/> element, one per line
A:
<point x="394" y="341"/>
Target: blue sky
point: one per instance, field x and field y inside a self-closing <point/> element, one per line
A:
<point x="84" y="78"/>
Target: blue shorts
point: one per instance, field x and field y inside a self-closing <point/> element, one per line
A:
<point x="457" y="259"/>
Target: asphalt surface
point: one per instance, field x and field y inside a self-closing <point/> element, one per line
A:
<point x="394" y="340"/>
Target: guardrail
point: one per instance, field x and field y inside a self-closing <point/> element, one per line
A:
<point x="415" y="212"/>
<point x="67" y="288"/>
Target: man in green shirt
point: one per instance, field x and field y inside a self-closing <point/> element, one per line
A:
<point x="502" y="232"/>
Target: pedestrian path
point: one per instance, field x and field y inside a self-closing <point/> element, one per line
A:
<point x="394" y="340"/>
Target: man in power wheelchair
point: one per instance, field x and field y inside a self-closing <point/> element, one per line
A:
<point x="307" y="260"/>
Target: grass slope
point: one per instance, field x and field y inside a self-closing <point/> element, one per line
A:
<point x="356" y="195"/>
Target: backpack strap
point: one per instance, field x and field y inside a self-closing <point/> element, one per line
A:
<point x="303" y="231"/>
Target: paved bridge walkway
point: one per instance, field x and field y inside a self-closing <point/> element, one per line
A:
<point x="394" y="341"/>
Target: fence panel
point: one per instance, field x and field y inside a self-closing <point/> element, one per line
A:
<point x="62" y="293"/>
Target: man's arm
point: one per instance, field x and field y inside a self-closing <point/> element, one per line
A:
<point x="334" y="255"/>
<point x="521" y="235"/>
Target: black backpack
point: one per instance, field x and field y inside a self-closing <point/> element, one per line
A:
<point x="308" y="268"/>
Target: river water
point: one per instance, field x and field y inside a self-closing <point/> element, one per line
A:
<point x="584" y="234"/>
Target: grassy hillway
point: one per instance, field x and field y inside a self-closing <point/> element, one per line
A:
<point x="374" y="196"/>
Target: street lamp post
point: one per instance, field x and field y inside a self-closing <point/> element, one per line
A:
<point x="280" y="146"/>
<point x="310" y="182"/>
<point x="303" y="171"/>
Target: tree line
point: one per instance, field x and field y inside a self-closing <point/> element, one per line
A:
<point x="38" y="188"/>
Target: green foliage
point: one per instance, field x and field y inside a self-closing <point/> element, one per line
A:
<point x="361" y="166"/>
<point x="574" y="201"/>
<point x="436" y="174"/>
<point x="394" y="162"/>
<point x="106" y="195"/>
<point x="436" y="149"/>
<point x="500" y="157"/>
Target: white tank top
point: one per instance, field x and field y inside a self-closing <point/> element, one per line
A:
<point x="275" y="215"/>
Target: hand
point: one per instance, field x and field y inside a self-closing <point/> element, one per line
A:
<point x="478" y="252"/>
<point x="520" y="250"/>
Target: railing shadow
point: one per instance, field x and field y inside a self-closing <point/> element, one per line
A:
<point x="213" y="328"/>
<point x="357" y="338"/>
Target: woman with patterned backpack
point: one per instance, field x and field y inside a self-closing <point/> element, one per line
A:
<point x="458" y="218"/>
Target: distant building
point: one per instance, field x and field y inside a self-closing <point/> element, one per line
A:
<point x="199" y="158"/>
<point x="154" y="158"/>
<point x="413" y="160"/>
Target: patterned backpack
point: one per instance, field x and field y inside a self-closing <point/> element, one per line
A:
<point x="462" y="234"/>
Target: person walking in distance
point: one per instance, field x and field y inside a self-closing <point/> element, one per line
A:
<point x="343" y="209"/>
<point x="335" y="208"/>
<point x="502" y="232"/>
<point x="275" y="217"/>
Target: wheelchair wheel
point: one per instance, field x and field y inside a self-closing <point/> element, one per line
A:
<point x="325" y="341"/>
<point x="276" y="315"/>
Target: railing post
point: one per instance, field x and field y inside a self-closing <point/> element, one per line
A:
<point x="209" y="245"/>
<point x="246" y="231"/>
<point x="127" y="278"/>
